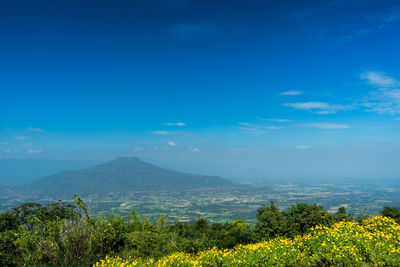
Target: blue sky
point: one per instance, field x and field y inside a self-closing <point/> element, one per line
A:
<point x="235" y="88"/>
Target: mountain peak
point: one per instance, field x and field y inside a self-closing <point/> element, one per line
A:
<point x="127" y="159"/>
<point x="124" y="174"/>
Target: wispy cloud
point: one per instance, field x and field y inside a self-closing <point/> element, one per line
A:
<point x="326" y="125"/>
<point x="380" y="79"/>
<point x="303" y="147"/>
<point x="193" y="31"/>
<point x="386" y="98"/>
<point x="383" y="101"/>
<point x="255" y="129"/>
<point x="194" y="149"/>
<point x="162" y="132"/>
<point x="170" y="133"/>
<point x="273" y="127"/>
<point x="291" y="93"/>
<point x="33" y="151"/>
<point x="171" y="143"/>
<point x="246" y="124"/>
<point x="27" y="145"/>
<point x="274" y="120"/>
<point x="35" y="129"/>
<point x="318" y="107"/>
<point x="4" y="143"/>
<point x="173" y="124"/>
<point x="7" y="150"/>
<point x="21" y="137"/>
<point x="248" y="130"/>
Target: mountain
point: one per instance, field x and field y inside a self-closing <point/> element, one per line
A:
<point x="122" y="175"/>
<point x="20" y="171"/>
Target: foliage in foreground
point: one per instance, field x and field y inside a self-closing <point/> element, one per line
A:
<point x="376" y="242"/>
<point x="62" y="234"/>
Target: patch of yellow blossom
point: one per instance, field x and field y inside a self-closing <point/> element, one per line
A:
<point x="375" y="242"/>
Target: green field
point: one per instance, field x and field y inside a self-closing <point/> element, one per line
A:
<point x="229" y="203"/>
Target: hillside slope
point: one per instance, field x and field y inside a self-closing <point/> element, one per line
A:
<point x="123" y="175"/>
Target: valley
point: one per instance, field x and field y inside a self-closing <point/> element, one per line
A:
<point x="220" y="204"/>
<point x="228" y="204"/>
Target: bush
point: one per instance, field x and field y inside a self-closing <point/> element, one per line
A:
<point x="375" y="242"/>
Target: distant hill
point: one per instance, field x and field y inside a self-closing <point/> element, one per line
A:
<point x="122" y="175"/>
<point x="22" y="171"/>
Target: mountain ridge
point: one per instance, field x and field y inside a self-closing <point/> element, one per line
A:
<point x="121" y="175"/>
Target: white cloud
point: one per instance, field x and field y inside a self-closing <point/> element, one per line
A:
<point x="280" y="120"/>
<point x="7" y="151"/>
<point x="33" y="151"/>
<point x="194" y="149"/>
<point x="385" y="99"/>
<point x="173" y="124"/>
<point x="138" y="149"/>
<point x="397" y="119"/>
<point x="308" y="105"/>
<point x="258" y="126"/>
<point x="303" y="147"/>
<point x="170" y="143"/>
<point x="161" y="132"/>
<point x="275" y="120"/>
<point x="291" y="93"/>
<point x="4" y="143"/>
<point x="21" y="137"/>
<point x="248" y="130"/>
<point x="35" y="129"/>
<point x="27" y="145"/>
<point x="319" y="107"/>
<point x="325" y="125"/>
<point x="379" y="79"/>
<point x="255" y="129"/>
<point x="168" y="133"/>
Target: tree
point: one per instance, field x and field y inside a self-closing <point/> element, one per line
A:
<point x="28" y="213"/>
<point x="200" y="225"/>
<point x="342" y="215"/>
<point x="8" y="221"/>
<point x="301" y="217"/>
<point x="271" y="222"/>
<point x="9" y="228"/>
<point x="391" y="212"/>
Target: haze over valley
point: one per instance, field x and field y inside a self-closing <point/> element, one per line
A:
<point x="127" y="183"/>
